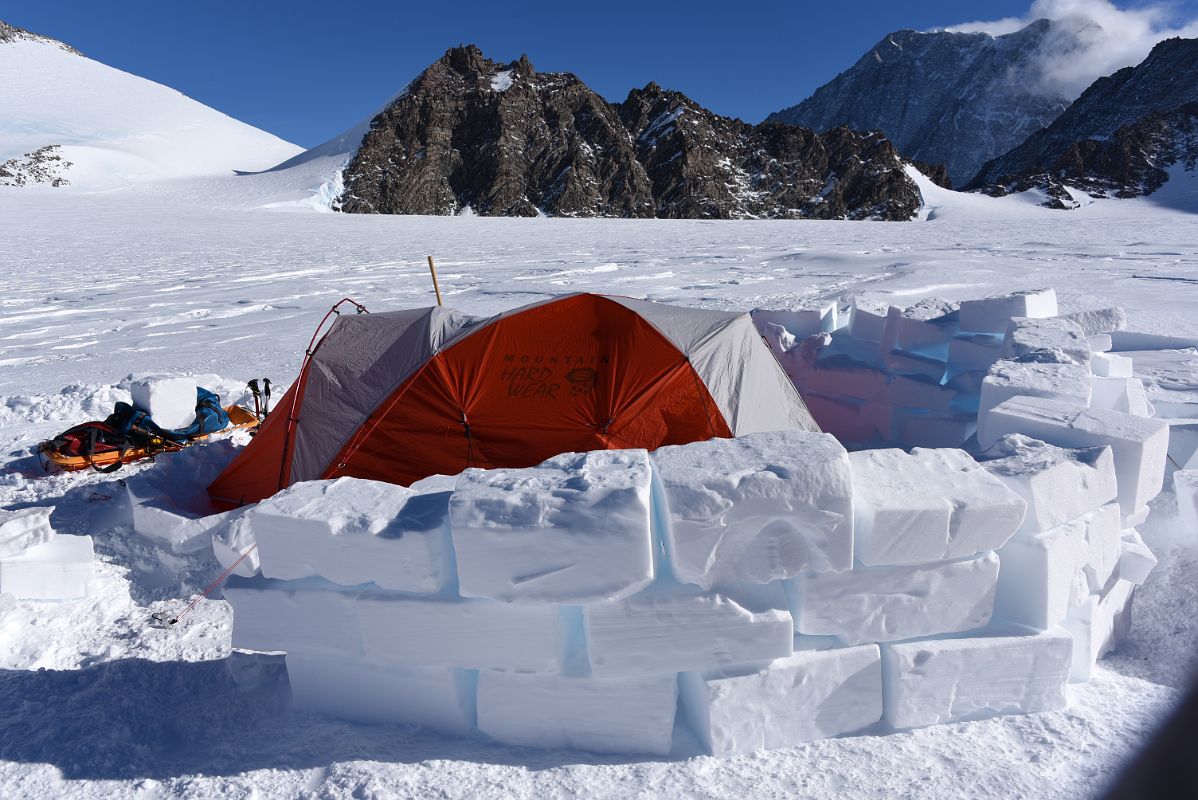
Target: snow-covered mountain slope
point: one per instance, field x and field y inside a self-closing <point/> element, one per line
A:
<point x="67" y="118"/>
<point x="1119" y="138"/>
<point x="943" y="97"/>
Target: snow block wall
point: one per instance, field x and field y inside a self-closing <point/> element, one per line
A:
<point x="762" y="591"/>
<point x="36" y="563"/>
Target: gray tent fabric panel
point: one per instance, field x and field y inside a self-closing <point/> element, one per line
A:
<point x="686" y="328"/>
<point x="748" y="385"/>
<point x="360" y="362"/>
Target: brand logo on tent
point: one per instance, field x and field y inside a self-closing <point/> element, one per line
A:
<point x="582" y="380"/>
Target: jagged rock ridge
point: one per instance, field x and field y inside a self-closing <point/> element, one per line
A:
<point x="943" y="97"/>
<point x="11" y="33"/>
<point x="508" y="140"/>
<point x="1117" y="139"/>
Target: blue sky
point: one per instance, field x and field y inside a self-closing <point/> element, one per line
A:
<point x="307" y="70"/>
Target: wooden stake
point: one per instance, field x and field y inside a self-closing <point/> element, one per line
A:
<point x="433" y="271"/>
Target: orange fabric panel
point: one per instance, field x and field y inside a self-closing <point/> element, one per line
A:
<point x="254" y="473"/>
<point x="582" y="373"/>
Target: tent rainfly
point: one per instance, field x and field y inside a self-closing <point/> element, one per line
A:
<point x="402" y="395"/>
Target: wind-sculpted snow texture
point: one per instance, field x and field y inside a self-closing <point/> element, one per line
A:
<point x="956" y="99"/>
<point x="506" y="140"/>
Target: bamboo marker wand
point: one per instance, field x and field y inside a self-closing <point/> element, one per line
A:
<point x="433" y="271"/>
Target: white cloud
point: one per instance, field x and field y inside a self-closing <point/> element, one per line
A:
<point x="1092" y="38"/>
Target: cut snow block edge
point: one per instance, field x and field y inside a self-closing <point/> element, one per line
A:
<point x="1136" y="561"/>
<point x="1006" y="670"/>
<point x="1058" y="483"/>
<point x="817" y="693"/>
<point x="23" y="529"/>
<point x="756" y="509"/>
<point x="1139" y="445"/>
<point x="1097" y="627"/>
<point x="632" y="714"/>
<point x="927" y="506"/>
<point x="169" y="400"/>
<point x="58" y="569"/>
<point x="993" y="314"/>
<point x="436" y="698"/>
<point x="353" y="531"/>
<point x="884" y="604"/>
<point x="575" y="529"/>
<point x="677" y="631"/>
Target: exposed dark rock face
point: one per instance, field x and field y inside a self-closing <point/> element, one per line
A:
<point x="706" y="166"/>
<point x="936" y="173"/>
<point x="956" y="99"/>
<point x="44" y="165"/>
<point x="11" y="33"/>
<point x="506" y="140"/>
<point x="1117" y="139"/>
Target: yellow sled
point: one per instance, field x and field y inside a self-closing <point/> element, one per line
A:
<point x="239" y="418"/>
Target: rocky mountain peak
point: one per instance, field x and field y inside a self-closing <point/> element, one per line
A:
<point x="942" y="97"/>
<point x="1118" y="138"/>
<point x="471" y="133"/>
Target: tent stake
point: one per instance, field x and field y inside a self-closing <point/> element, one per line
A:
<point x="433" y="271"/>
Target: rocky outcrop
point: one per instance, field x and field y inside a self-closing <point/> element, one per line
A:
<point x="506" y="140"/>
<point x="1117" y="139"/>
<point x="44" y="165"/>
<point x="942" y="97"/>
<point x="11" y="33"/>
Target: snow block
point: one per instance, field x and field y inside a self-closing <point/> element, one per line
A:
<point x="573" y="530"/>
<point x="1099" y="344"/>
<point x="757" y="508"/>
<point x="156" y="518"/>
<point x="971" y="352"/>
<point x="867" y="320"/>
<point x="601" y="715"/>
<point x="847" y="420"/>
<point x="1058" y="483"/>
<point x="1139" y="445"/>
<point x="903" y="363"/>
<point x="1070" y="383"/>
<point x="1136" y="561"/>
<point x="1055" y="334"/>
<point x="813" y="694"/>
<point x="808" y="319"/>
<point x="882" y="604"/>
<point x="354" y="531"/>
<point x="935" y="428"/>
<point x="469" y="634"/>
<point x="680" y="630"/>
<point x="58" y="569"/>
<point x="306" y="617"/>
<point x="929" y="505"/>
<point x="920" y="392"/>
<point x="1185" y="484"/>
<point x="1004" y="671"/>
<point x="926" y="327"/>
<point x="1097" y="626"/>
<point x="994" y="314"/>
<point x="1099" y="321"/>
<point x="23" y="529"/>
<point x="843" y="378"/>
<point x="349" y="688"/>
<point x="1110" y="365"/>
<point x="1121" y="394"/>
<point x="1045" y="574"/>
<point x="169" y="400"/>
<point x="233" y="538"/>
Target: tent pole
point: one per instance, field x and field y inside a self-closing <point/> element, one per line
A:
<point x="433" y="271"/>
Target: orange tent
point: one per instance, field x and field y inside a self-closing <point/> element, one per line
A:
<point x="402" y="395"/>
